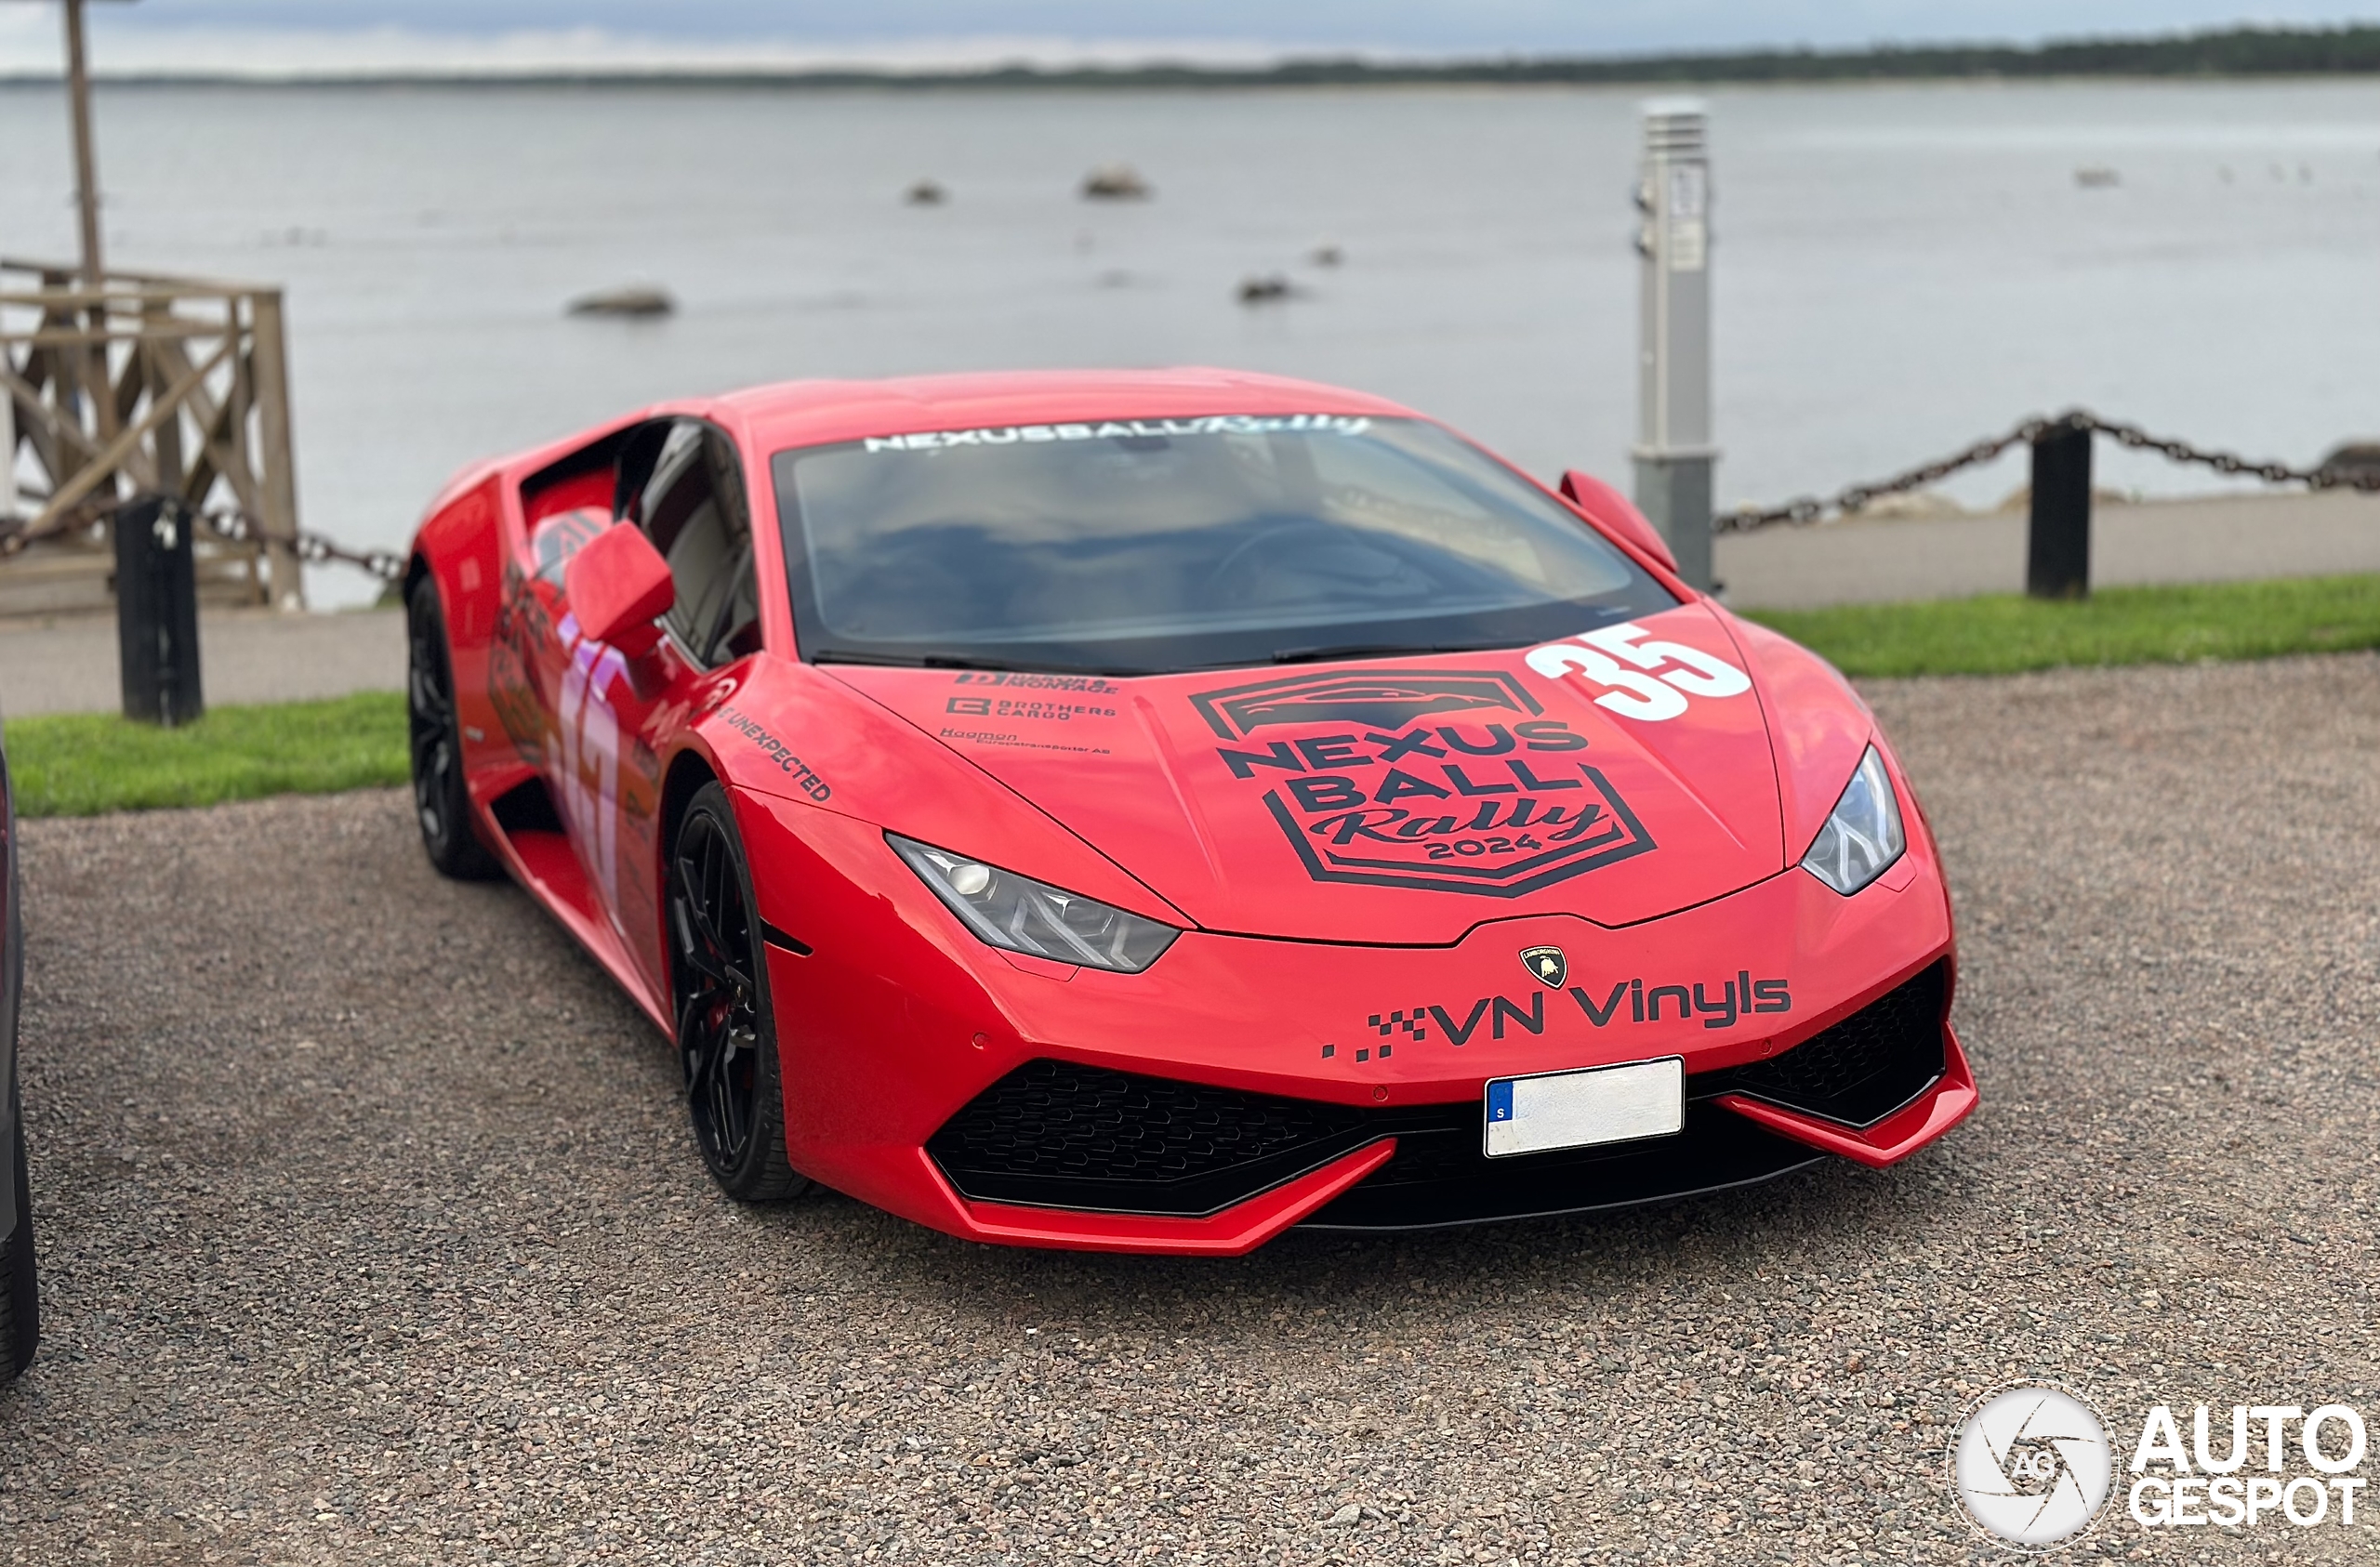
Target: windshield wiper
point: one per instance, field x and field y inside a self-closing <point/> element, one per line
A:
<point x="946" y="660"/>
<point x="1361" y="649"/>
<point x="902" y="661"/>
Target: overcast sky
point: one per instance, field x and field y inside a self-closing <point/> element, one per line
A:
<point x="283" y="34"/>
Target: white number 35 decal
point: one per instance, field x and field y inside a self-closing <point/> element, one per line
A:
<point x="1601" y="656"/>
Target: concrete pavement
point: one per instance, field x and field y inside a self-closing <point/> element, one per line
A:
<point x="69" y="664"/>
<point x="2226" y="538"/>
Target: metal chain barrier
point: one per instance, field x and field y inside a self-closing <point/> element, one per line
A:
<point x="1811" y="508"/>
<point x="15" y="536"/>
<point x="230" y="523"/>
<point x="316" y="549"/>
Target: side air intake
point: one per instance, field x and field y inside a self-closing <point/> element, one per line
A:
<point x="1859" y="1070"/>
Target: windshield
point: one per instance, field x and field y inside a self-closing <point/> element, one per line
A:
<point x="1154" y="545"/>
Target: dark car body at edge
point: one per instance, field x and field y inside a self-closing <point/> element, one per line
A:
<point x="19" y="1307"/>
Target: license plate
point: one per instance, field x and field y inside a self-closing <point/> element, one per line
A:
<point x="1580" y="1108"/>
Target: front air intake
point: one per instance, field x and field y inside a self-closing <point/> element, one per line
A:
<point x="1054" y="1134"/>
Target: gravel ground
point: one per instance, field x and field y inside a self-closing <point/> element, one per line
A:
<point x="373" y="1234"/>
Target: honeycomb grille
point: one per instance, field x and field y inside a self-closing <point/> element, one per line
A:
<point x="1073" y="1135"/>
<point x="1861" y="1070"/>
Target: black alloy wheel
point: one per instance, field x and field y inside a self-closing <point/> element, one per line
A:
<point x="435" y="742"/>
<point x="726" y="1030"/>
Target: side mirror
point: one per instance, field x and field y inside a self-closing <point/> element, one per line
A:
<point x="1616" y="514"/>
<point x="617" y="586"/>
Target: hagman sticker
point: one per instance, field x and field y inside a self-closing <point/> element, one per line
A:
<point x="1443" y="781"/>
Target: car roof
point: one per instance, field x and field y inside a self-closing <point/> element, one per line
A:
<point x="819" y="413"/>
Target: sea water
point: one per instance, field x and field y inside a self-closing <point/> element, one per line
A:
<point x="1898" y="270"/>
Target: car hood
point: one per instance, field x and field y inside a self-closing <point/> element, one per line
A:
<point x="1393" y="801"/>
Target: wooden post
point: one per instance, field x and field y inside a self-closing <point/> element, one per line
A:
<point x="2057" y="555"/>
<point x="278" y="468"/>
<point x="87" y="180"/>
<point x="7" y="435"/>
<point x="186" y="424"/>
<point x="92" y="359"/>
<point x="167" y="438"/>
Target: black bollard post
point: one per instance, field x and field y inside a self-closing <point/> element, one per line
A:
<point x="156" y="614"/>
<point x="2057" y="554"/>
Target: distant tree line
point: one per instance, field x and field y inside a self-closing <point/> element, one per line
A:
<point x="2238" y="51"/>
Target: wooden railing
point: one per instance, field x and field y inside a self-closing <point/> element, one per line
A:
<point x="144" y="385"/>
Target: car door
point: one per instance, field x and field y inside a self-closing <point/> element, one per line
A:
<point x="679" y="482"/>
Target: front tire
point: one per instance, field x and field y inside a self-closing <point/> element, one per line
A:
<point x="442" y="805"/>
<point x="726" y="1029"/>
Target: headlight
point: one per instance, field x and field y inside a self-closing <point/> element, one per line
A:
<point x="1024" y="916"/>
<point x="1862" y="839"/>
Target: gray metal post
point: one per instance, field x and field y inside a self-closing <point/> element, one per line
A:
<point x="1673" y="450"/>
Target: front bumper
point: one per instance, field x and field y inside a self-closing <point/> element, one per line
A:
<point x="1056" y="1135"/>
<point x="1242" y="1087"/>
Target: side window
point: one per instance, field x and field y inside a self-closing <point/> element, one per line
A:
<point x="692" y="509"/>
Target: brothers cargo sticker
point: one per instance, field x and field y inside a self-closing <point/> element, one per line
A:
<point x="1442" y="780"/>
<point x="1028" y="708"/>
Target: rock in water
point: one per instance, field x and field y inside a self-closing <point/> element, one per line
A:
<point x="1265" y="289"/>
<point x="631" y="301"/>
<point x="2356" y="459"/>
<point x="2097" y="177"/>
<point x="1920" y="504"/>
<point x="927" y="192"/>
<point x="1115" y="182"/>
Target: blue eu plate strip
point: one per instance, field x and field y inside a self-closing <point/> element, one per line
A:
<point x="1500" y="1101"/>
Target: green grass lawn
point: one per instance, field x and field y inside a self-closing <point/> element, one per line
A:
<point x="82" y="764"/>
<point x="2002" y="634"/>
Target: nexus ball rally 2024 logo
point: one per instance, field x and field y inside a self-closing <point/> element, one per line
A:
<point x="1448" y="781"/>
